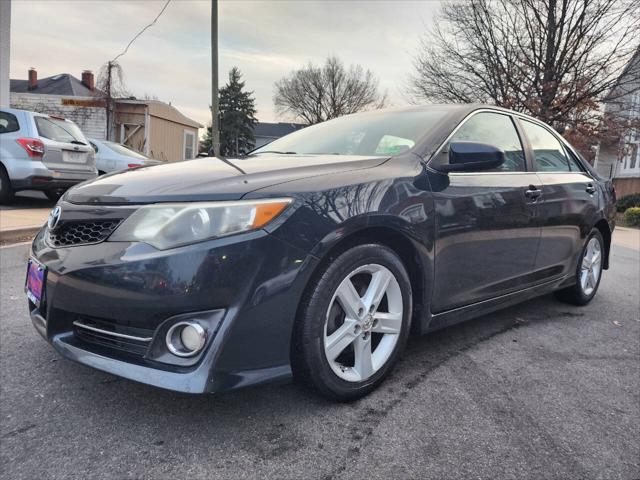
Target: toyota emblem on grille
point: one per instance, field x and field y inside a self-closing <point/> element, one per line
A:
<point x="54" y="218"/>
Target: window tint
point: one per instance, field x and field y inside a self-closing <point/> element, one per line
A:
<point x="548" y="152"/>
<point x="497" y="130"/>
<point x="8" y="123"/>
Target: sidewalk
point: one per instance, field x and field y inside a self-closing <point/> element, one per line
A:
<point x="17" y="224"/>
<point x="626" y="237"/>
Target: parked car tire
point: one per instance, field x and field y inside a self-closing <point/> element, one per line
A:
<point x="54" y="195"/>
<point x="6" y="192"/>
<point x="354" y="321"/>
<point x="588" y="272"/>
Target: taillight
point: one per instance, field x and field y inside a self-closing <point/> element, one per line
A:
<point x="133" y="165"/>
<point x="33" y="146"/>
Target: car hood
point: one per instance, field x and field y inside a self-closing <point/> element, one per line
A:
<point x="211" y="178"/>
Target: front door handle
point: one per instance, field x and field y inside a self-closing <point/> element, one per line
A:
<point x="533" y="192"/>
<point x="590" y="188"/>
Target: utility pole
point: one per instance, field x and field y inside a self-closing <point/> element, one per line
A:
<point x="5" y="51"/>
<point x="215" y="128"/>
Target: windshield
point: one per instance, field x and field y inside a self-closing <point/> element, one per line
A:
<point x="124" y="150"/>
<point x="379" y="134"/>
<point x="59" y="130"/>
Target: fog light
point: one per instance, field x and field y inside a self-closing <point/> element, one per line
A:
<point x="186" y="339"/>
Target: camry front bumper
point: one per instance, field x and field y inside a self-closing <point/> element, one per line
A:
<point x="245" y="289"/>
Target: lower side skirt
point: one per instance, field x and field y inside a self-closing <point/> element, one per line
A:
<point x="441" y="320"/>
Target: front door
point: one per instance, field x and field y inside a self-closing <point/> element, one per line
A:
<point x="486" y="228"/>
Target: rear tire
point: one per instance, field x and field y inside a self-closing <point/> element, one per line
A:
<point x="588" y="272"/>
<point x="372" y="324"/>
<point x="6" y="191"/>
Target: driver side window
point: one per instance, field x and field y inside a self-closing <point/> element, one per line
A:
<point x="498" y="130"/>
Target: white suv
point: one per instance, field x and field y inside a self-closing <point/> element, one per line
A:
<point x="41" y="152"/>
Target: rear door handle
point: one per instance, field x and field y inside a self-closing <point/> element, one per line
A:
<point x="533" y="192"/>
<point x="590" y="188"/>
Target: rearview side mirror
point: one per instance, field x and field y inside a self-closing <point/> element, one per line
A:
<point x="472" y="157"/>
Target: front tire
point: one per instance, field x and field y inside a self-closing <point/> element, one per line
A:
<point x="588" y="272"/>
<point x="353" y="323"/>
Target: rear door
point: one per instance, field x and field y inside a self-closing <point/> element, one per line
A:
<point x="11" y="128"/>
<point x="569" y="199"/>
<point x="486" y="227"/>
<point x="66" y="148"/>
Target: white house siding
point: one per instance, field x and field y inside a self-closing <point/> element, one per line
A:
<point x="91" y="120"/>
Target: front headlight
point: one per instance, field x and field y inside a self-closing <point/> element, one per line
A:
<point x="172" y="224"/>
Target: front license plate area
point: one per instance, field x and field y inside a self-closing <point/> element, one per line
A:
<point x="35" y="281"/>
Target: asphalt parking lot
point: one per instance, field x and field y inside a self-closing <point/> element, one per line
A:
<point x="542" y="390"/>
<point x="27" y="200"/>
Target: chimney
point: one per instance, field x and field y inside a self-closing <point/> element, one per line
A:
<point x="87" y="79"/>
<point x="33" y="79"/>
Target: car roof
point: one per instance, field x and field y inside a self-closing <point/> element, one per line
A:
<point x="35" y="114"/>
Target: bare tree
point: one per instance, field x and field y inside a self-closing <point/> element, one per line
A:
<point x="110" y="85"/>
<point x="318" y="93"/>
<point x="553" y="59"/>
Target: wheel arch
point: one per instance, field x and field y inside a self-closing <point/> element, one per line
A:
<point x="406" y="248"/>
<point x="605" y="230"/>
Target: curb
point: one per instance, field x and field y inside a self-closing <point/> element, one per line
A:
<point x="15" y="234"/>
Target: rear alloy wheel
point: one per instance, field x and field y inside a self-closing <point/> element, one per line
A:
<point x="355" y="322"/>
<point x="588" y="274"/>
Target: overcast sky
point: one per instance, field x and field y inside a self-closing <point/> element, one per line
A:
<point x="266" y="39"/>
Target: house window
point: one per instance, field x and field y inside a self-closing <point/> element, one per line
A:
<point x="634" y="155"/>
<point x="189" y="145"/>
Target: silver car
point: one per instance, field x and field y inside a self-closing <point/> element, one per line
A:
<point x="112" y="156"/>
<point x="41" y="152"/>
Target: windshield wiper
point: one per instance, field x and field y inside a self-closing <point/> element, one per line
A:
<point x="276" y="151"/>
<point x="77" y="142"/>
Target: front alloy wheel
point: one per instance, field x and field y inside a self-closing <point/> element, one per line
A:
<point x="354" y="322"/>
<point x="363" y="322"/>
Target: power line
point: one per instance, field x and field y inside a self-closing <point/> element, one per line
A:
<point x="143" y="30"/>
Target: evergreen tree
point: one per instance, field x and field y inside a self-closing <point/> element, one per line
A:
<point x="237" y="118"/>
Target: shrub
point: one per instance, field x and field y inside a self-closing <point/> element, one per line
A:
<point x="628" y="201"/>
<point x="632" y="216"/>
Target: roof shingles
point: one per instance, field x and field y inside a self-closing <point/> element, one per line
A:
<point x="62" y="84"/>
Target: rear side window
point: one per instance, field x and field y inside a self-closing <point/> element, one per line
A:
<point x="498" y="130"/>
<point x="8" y="123"/>
<point x="59" y="130"/>
<point x="549" y="153"/>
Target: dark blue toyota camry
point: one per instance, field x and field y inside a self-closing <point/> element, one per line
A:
<point x="316" y="256"/>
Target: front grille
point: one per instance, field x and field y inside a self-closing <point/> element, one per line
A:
<point x="73" y="233"/>
<point x="107" y="334"/>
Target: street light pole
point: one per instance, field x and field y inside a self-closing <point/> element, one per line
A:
<point x="215" y="128"/>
